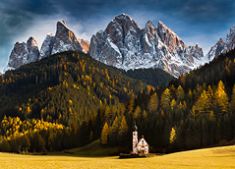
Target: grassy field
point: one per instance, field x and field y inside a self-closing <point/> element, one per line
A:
<point x="211" y="158"/>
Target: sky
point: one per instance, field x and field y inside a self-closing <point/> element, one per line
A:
<point x="200" y="22"/>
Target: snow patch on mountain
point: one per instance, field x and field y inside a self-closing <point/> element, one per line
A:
<point x="223" y="46"/>
<point x="123" y="44"/>
<point x="23" y="53"/>
<point x="63" y="40"/>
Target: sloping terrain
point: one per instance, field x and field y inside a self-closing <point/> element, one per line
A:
<point x="211" y="158"/>
<point x="69" y="88"/>
<point x="155" y="77"/>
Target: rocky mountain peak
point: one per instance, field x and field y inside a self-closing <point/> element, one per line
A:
<point x="124" y="45"/>
<point x="149" y="27"/>
<point x="230" y="40"/>
<point x="47" y="46"/>
<point x="123" y="23"/>
<point x="61" y="29"/>
<point x="217" y="49"/>
<point x="195" y="52"/>
<point x="223" y="46"/>
<point x="170" y="38"/>
<point x="221" y="41"/>
<point x="32" y="42"/>
<point x="23" y="53"/>
<point x="232" y="30"/>
<point x="123" y="16"/>
<point x="64" y="40"/>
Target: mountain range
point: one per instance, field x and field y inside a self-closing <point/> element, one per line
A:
<point x="123" y="44"/>
<point x="62" y="96"/>
<point x="64" y="40"/>
<point x="223" y="45"/>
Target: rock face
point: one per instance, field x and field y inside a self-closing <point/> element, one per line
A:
<point x="216" y="50"/>
<point x="223" y="46"/>
<point x="119" y="42"/>
<point x="47" y="46"/>
<point x="230" y="40"/>
<point x="124" y="45"/>
<point x="24" y="53"/>
<point x="85" y="45"/>
<point x="64" y="40"/>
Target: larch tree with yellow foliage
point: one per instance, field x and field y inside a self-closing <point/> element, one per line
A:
<point x="203" y="104"/>
<point x="104" y="134"/>
<point x="172" y="136"/>
<point x="166" y="100"/>
<point x="221" y="98"/>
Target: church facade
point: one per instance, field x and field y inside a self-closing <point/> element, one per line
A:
<point x="139" y="146"/>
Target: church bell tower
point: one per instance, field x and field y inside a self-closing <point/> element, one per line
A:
<point x="134" y="140"/>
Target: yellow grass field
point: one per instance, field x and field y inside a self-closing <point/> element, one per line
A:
<point x="211" y="158"/>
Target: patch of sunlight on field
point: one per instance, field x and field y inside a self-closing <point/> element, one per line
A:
<point x="212" y="158"/>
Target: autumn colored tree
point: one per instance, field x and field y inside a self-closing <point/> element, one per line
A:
<point x="165" y="100"/>
<point x="173" y="104"/>
<point x="202" y="104"/>
<point x="180" y="93"/>
<point x="104" y="134"/>
<point x="137" y="112"/>
<point x="172" y="135"/>
<point x="221" y="98"/>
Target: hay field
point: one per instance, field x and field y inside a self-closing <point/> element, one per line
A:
<point x="211" y="158"/>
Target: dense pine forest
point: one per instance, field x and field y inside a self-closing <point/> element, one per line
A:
<point x="151" y="76"/>
<point x="69" y="100"/>
<point x="58" y="102"/>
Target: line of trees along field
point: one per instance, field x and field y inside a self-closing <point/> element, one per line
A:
<point x="69" y="100"/>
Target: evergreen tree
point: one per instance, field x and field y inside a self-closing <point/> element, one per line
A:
<point x="113" y="136"/>
<point x="130" y="106"/>
<point x="153" y="103"/>
<point x="232" y="104"/>
<point x="123" y="132"/>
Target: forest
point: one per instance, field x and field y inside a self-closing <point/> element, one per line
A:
<point x="69" y="99"/>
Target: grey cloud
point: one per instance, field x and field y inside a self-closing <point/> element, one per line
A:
<point x="188" y="17"/>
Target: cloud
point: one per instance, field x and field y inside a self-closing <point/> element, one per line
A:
<point x="193" y="20"/>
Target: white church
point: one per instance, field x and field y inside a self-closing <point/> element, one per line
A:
<point x="139" y="146"/>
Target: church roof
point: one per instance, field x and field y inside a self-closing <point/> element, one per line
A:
<point x="142" y="141"/>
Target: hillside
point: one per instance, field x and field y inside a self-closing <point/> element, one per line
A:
<point x="197" y="110"/>
<point x="70" y="90"/>
<point x="69" y="100"/>
<point x="212" y="158"/>
<point x="221" y="68"/>
<point x="155" y="77"/>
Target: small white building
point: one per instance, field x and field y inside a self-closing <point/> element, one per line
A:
<point x="141" y="146"/>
